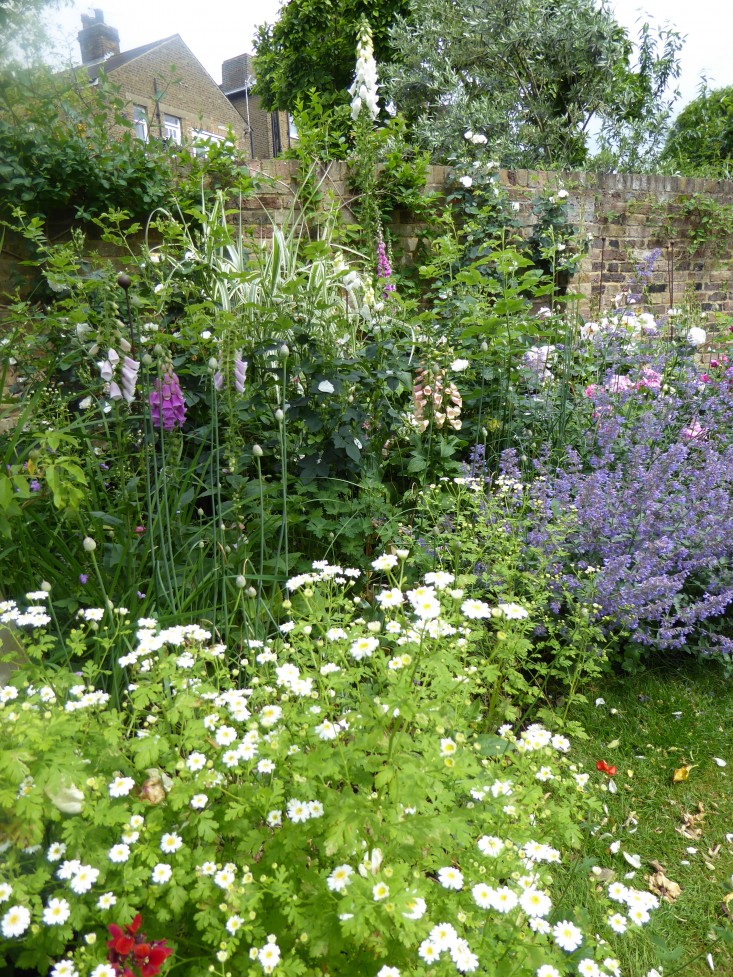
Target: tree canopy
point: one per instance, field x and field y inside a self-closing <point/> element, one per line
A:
<point x="701" y="138"/>
<point x="312" y="47"/>
<point x="21" y="26"/>
<point x="532" y="75"/>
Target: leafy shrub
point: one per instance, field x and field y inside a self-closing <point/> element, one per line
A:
<point x="330" y="800"/>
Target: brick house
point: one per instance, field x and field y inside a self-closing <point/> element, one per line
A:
<point x="169" y="93"/>
<point x="269" y="132"/>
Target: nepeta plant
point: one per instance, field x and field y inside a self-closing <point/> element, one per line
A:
<point x="652" y="495"/>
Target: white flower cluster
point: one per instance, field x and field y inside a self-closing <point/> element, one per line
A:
<point x="638" y="906"/>
<point x="149" y="641"/>
<point x="34" y="616"/>
<point x="624" y="323"/>
<point x="364" y="88"/>
<point x="323" y="571"/>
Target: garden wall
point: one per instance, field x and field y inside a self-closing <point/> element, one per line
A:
<point x="625" y="216"/>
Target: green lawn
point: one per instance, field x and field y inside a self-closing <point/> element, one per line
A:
<point x="649" y="726"/>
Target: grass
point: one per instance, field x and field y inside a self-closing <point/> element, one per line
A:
<point x="650" y="725"/>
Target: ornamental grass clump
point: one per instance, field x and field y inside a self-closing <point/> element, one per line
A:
<point x="332" y="800"/>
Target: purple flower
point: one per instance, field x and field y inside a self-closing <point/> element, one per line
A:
<point x="34" y="485"/>
<point x="384" y="269"/>
<point x="167" y="406"/>
<point x="83" y="578"/>
<point x="239" y="372"/>
<point x="648" y="503"/>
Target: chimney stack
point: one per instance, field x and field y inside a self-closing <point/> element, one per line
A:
<point x="97" y="40"/>
<point x="237" y="73"/>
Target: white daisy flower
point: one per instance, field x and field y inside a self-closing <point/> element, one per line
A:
<point x="161" y="873"/>
<point x="121" y="786"/>
<point x="56" y="913"/>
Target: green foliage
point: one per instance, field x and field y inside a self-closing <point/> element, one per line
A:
<point x="698" y="222"/>
<point x="321" y="130"/>
<point x="478" y="530"/>
<point x="555" y="243"/>
<point x="20" y="26"/>
<point x="336" y="793"/>
<point x="292" y="60"/>
<point x="67" y="150"/>
<point x="700" y="141"/>
<point x="530" y="76"/>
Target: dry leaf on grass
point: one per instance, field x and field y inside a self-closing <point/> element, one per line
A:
<point x="690" y="824"/>
<point x="682" y="773"/>
<point x="663" y="887"/>
<point x="603" y="874"/>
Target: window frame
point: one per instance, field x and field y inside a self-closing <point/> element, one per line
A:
<point x="140" y="122"/>
<point x="172" y="128"/>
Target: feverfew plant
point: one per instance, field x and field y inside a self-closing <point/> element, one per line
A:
<point x="331" y="802"/>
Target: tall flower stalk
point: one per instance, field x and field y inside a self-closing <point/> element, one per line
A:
<point x="364" y="112"/>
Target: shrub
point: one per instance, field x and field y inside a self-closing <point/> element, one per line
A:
<point x="330" y="801"/>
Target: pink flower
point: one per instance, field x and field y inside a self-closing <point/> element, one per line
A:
<point x="693" y="432"/>
<point x="591" y="390"/>
<point x="618" y="384"/>
<point x="384" y="269"/>
<point x="130" y="370"/>
<point x="649" y="378"/>
<point x="168" y="408"/>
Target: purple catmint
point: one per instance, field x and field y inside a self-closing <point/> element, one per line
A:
<point x="653" y="504"/>
<point x="167" y="406"/>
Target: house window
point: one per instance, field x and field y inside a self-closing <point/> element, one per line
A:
<point x="201" y="140"/>
<point x="292" y="128"/>
<point x="172" y="128"/>
<point x="140" y="121"/>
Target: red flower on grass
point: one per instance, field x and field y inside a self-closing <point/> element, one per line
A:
<point x="604" y="768"/>
<point x="132" y="954"/>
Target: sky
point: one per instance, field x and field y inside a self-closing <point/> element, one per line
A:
<point x="215" y="30"/>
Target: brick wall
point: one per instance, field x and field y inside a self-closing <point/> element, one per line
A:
<point x="184" y="90"/>
<point x="624" y="215"/>
<point x="270" y="131"/>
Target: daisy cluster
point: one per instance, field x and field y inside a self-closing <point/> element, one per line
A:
<point x="328" y="777"/>
<point x="33" y="616"/>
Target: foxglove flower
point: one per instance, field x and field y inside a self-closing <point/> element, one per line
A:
<point x="107" y="367"/>
<point x="130" y="369"/>
<point x="384" y="269"/>
<point x="167" y="406"/>
<point x="240" y="373"/>
<point x="363" y="90"/>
